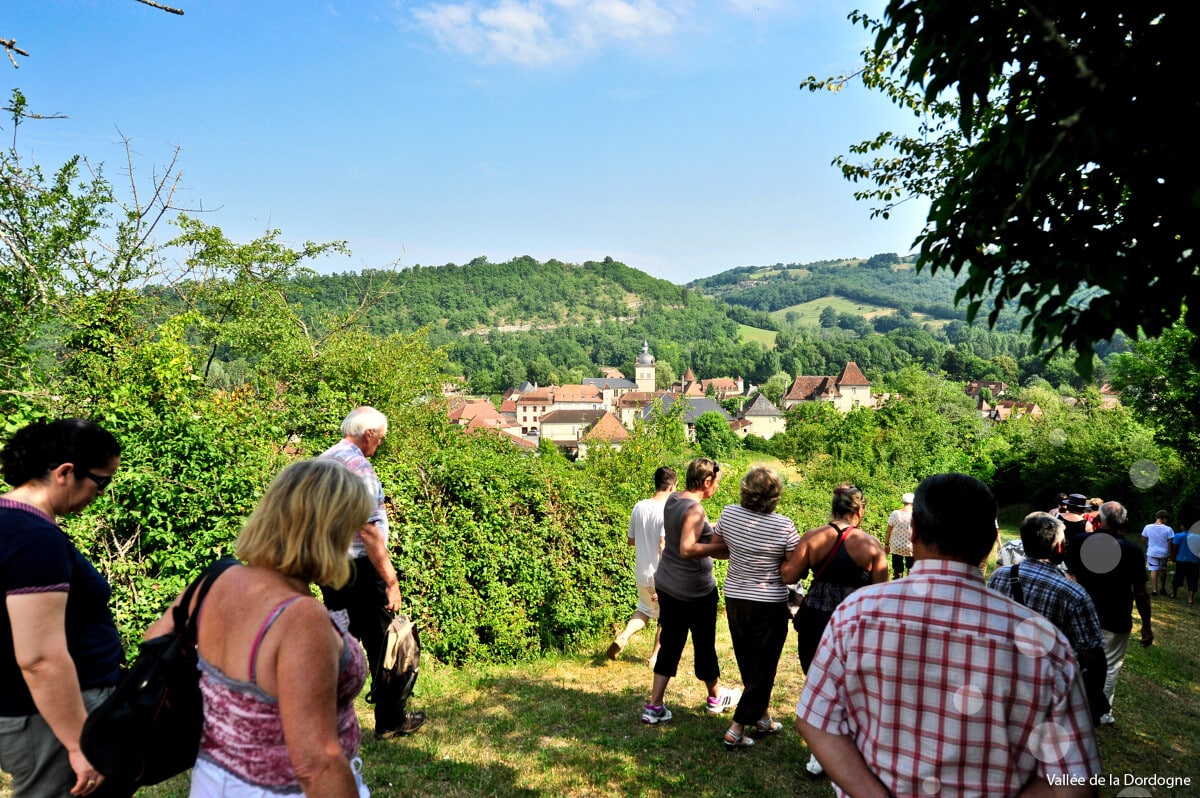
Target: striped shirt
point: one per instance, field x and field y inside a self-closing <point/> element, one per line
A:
<point x="949" y="688"/>
<point x="758" y="543"/>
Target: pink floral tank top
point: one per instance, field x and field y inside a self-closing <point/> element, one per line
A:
<point x="243" y="733"/>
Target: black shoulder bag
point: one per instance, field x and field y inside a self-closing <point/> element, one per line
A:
<point x="800" y="604"/>
<point x="148" y="729"/>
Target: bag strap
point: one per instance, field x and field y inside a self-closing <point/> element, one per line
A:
<point x="829" y="557"/>
<point x="1015" y="583"/>
<point x="185" y="622"/>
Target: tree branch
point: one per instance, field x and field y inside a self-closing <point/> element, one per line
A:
<point x="10" y="47"/>
<point x="161" y="7"/>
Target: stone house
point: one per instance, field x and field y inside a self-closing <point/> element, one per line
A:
<point x="848" y="390"/>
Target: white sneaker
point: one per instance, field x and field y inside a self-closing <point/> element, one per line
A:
<point x="726" y="699"/>
<point x="1107" y="719"/>
<point x="813" y="766"/>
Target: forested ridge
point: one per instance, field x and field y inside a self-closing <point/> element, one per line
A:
<point x="501" y="324"/>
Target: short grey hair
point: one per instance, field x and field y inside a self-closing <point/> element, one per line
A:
<point x="1113" y="515"/>
<point x="1040" y="533"/>
<point x="362" y="419"/>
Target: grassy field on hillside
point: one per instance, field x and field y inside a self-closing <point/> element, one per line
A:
<point x="569" y="726"/>
<point x="809" y="312"/>
<point x="758" y="335"/>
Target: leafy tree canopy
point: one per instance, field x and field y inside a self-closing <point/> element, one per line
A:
<point x="1051" y="146"/>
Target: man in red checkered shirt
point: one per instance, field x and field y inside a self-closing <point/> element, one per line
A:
<point x="934" y="685"/>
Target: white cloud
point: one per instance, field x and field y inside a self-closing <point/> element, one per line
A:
<point x="452" y="26"/>
<point x="541" y="32"/>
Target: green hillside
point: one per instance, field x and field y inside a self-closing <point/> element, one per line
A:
<point x="881" y="281"/>
<point x="757" y="335"/>
<point x="501" y="324"/>
<point x="807" y="314"/>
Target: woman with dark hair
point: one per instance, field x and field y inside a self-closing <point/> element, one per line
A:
<point x="60" y="653"/>
<point x="687" y="592"/>
<point x="843" y="559"/>
<point x="759" y="540"/>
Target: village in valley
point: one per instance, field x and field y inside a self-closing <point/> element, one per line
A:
<point x="604" y="409"/>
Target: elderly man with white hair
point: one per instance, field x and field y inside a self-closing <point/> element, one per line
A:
<point x="373" y="592"/>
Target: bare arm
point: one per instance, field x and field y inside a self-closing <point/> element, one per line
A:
<point x="842" y="760"/>
<point x="795" y="566"/>
<point x="879" y="565"/>
<point x="690" y="546"/>
<point x="306" y="676"/>
<point x="377" y="552"/>
<point x="40" y="643"/>
<point x="887" y="539"/>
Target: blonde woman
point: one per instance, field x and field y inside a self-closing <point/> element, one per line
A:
<point x="279" y="674"/>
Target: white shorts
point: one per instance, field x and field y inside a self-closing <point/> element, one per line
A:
<point x="646" y="605"/>
<point x="210" y="780"/>
<point x="1156" y="563"/>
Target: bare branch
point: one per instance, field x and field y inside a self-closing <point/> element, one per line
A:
<point x="20" y="257"/>
<point x="161" y="7"/>
<point x="10" y="47"/>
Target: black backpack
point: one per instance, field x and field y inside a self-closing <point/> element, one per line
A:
<point x="148" y="729"/>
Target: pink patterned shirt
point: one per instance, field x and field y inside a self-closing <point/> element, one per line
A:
<point x="243" y="733"/>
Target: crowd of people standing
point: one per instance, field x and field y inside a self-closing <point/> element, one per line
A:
<point x="929" y="677"/>
<point x="919" y="676"/>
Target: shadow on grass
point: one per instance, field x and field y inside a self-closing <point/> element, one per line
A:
<point x="570" y="726"/>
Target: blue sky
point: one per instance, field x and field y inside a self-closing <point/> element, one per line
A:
<point x="672" y="136"/>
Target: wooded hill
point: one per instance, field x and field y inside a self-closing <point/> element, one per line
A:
<point x="882" y="279"/>
<point x="553" y="322"/>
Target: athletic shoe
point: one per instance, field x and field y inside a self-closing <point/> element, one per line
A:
<point x="725" y="699"/>
<point x="614" y="649"/>
<point x="654" y="715"/>
<point x="813" y="766"/>
<point x="1107" y="719"/>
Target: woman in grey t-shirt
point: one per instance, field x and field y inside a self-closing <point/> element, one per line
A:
<point x="687" y="592"/>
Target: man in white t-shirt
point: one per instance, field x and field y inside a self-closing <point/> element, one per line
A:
<point x="1158" y="546"/>
<point x="646" y="537"/>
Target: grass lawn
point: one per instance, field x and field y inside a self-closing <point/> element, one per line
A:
<point x="568" y="726"/>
